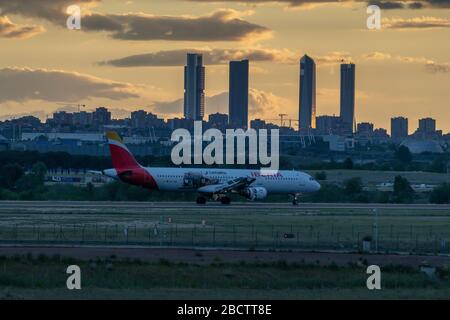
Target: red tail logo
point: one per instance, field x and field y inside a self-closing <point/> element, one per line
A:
<point x="128" y="169"/>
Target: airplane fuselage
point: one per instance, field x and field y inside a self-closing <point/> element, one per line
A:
<point x="175" y="179"/>
<point x="210" y="183"/>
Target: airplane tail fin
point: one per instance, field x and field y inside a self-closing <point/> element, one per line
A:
<point x="122" y="158"/>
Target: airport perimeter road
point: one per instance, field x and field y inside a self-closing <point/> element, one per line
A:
<point x="85" y="205"/>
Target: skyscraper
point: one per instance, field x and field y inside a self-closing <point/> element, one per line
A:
<point x="348" y="96"/>
<point x="194" y="87"/>
<point x="427" y="125"/>
<point x="399" y="128"/>
<point x="238" y="97"/>
<point x="307" y="103"/>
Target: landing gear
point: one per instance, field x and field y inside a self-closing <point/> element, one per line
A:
<point x="296" y="201"/>
<point x="225" y="200"/>
<point x="201" y="200"/>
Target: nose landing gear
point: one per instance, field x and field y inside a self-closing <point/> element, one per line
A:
<point x="296" y="200"/>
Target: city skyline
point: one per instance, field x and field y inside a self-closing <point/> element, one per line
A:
<point x="142" y="69"/>
<point x="101" y="117"/>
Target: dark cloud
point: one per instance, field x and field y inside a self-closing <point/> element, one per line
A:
<point x="438" y="3"/>
<point x="210" y="56"/>
<point x="221" y="25"/>
<point x="388" y="5"/>
<point x="418" y="4"/>
<point x="24" y="84"/>
<point x="290" y="3"/>
<point x="50" y="10"/>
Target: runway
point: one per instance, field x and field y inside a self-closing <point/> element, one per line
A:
<point x="128" y="206"/>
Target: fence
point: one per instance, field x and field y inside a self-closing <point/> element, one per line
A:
<point x="388" y="238"/>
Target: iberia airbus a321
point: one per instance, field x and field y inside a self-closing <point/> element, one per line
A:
<point x="210" y="183"/>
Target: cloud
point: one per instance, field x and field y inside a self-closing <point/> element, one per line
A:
<point x="333" y="58"/>
<point x="418" y="23"/>
<point x="9" y="29"/>
<point x="220" y="25"/>
<point x="291" y="3"/>
<point x="380" y="56"/>
<point x="24" y="84"/>
<point x="50" y="10"/>
<point x="210" y="57"/>
<point x="429" y="64"/>
<point x="261" y="104"/>
<point x="37" y="113"/>
<point x="176" y="58"/>
<point x="388" y="5"/>
<point x="434" y="67"/>
<point x="407" y="4"/>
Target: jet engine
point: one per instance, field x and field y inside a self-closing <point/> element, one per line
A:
<point x="255" y="193"/>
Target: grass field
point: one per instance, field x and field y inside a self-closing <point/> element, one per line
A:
<point x="45" y="277"/>
<point x="415" y="230"/>
<point x="398" y="229"/>
<point x="372" y="178"/>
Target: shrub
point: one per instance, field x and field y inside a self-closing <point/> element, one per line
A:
<point x="441" y="194"/>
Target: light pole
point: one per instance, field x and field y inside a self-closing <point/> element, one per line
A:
<point x="375" y="211"/>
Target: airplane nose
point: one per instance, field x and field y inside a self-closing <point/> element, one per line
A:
<point x="316" y="186"/>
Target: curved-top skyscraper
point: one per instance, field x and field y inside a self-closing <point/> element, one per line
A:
<point x="307" y="103"/>
<point x="194" y="87"/>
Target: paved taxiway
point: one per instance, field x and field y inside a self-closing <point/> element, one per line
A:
<point x="85" y="205"/>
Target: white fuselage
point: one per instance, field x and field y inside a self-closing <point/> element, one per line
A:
<point x="283" y="182"/>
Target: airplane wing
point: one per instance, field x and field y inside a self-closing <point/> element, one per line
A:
<point x="232" y="185"/>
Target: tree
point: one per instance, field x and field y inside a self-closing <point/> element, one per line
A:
<point x="321" y="176"/>
<point x="403" y="154"/>
<point x="34" y="179"/>
<point x="439" y="165"/>
<point x="348" y="164"/>
<point x="403" y="192"/>
<point x="441" y="194"/>
<point x="328" y="193"/>
<point x="39" y="170"/>
<point x="9" y="174"/>
<point x="353" y="186"/>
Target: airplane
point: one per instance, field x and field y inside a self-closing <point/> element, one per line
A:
<point x="210" y="183"/>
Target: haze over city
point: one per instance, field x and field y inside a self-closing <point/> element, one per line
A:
<point x="130" y="55"/>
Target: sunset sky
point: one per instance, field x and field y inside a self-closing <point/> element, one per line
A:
<point x="129" y="55"/>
